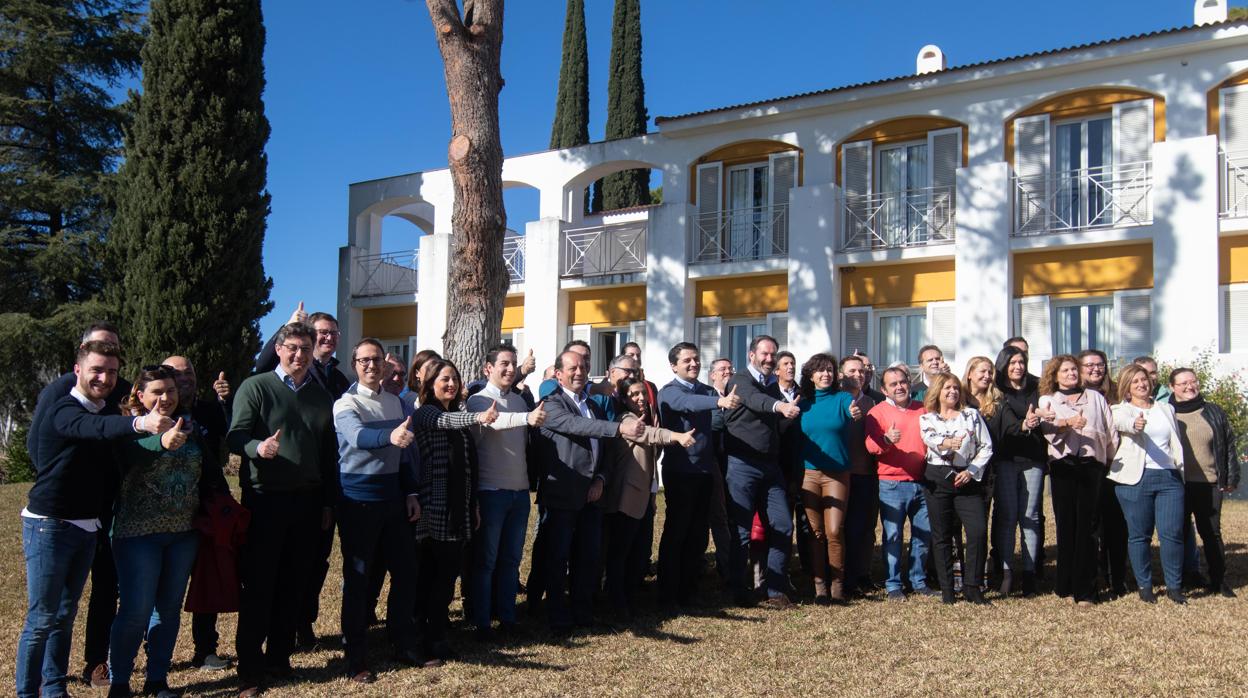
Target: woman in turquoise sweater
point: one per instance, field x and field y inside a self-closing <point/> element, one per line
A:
<point x="827" y="413"/>
<point x="154" y="540"/>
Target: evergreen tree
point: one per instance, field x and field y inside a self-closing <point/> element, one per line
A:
<point x="192" y="202"/>
<point x="60" y="139"/>
<point x="571" y="124"/>
<point x="626" y="105"/>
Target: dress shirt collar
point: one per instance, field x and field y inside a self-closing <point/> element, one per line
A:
<point x="765" y="380"/>
<point x="578" y="398"/>
<point x="685" y="383"/>
<point x="92" y="406"/>
<point x="290" y="381"/>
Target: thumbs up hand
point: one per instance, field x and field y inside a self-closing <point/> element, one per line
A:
<point x="538" y="416"/>
<point x="529" y="364"/>
<point x="268" y="447"/>
<point x="1031" y="420"/>
<point x="789" y="410"/>
<point x="686" y="439"/>
<point x="633" y="427"/>
<point x="731" y="401"/>
<point x="173" y="439"/>
<point x="402" y="435"/>
<point x="1139" y="422"/>
<point x="855" y="412"/>
<point x="221" y="387"/>
<point x="300" y="315"/>
<point x="155" y="423"/>
<point x="489" y="416"/>
<point x="893" y="434"/>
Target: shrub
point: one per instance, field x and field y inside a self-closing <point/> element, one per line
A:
<point x="18" y="467"/>
<point x="1227" y="391"/>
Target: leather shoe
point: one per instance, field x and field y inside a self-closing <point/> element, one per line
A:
<point x="1226" y="591"/>
<point x="1177" y="597"/>
<point x="415" y="659"/>
<point x="364" y="676"/>
<point x="777" y="603"/>
<point x="975" y="596"/>
<point x="1147" y="595"/>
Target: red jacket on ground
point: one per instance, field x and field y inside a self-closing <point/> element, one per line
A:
<point x="214" y="580"/>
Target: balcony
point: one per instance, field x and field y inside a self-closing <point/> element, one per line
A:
<point x="1234" y="169"/>
<point x="1089" y="199"/>
<point x="910" y="218"/>
<point x="513" y="258"/>
<point x="600" y="250"/>
<point x="392" y="273"/>
<point x="740" y="235"/>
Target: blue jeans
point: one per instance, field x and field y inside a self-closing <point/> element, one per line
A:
<point x="900" y="500"/>
<point x="499" y="546"/>
<point x="58" y="558"/>
<point x="759" y="487"/>
<point x="152" y="571"/>
<point x="1157" y="499"/>
<point x="1018" y="499"/>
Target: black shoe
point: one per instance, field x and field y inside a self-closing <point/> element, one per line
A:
<point x="947" y="597"/>
<point x="975" y="596"/>
<point x="1224" y="590"/>
<point x="442" y="650"/>
<point x="926" y="591"/>
<point x="1147" y="595"/>
<point x="1028" y="580"/>
<point x="823" y="600"/>
<point x="1194" y="580"/>
<point x="414" y="658"/>
<point x="1176" y="596"/>
<point x="305" y="638"/>
<point x="897" y="595"/>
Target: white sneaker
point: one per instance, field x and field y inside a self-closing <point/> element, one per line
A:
<point x="214" y="663"/>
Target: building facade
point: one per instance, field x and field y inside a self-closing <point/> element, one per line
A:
<point x="1086" y="197"/>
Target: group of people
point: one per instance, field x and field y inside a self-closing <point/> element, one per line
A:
<point x="428" y="479"/>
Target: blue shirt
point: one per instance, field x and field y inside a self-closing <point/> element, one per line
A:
<point x="290" y="381"/>
<point x="825" y="422"/>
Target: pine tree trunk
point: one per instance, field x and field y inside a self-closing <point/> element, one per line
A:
<point x="471" y="48"/>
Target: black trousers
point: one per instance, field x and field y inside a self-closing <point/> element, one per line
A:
<point x="1076" y="487"/>
<point x="274" y="562"/>
<point x="310" y="605"/>
<point x="102" y="606"/>
<point x="367" y="528"/>
<point x="204" y="634"/>
<point x="376" y="580"/>
<point x="683" y="543"/>
<point x="861" y="515"/>
<point x="1112" y="551"/>
<point x="622" y="541"/>
<point x="1204" y="502"/>
<point x="947" y="507"/>
<point x="439" y="565"/>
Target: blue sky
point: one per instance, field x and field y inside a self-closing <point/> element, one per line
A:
<point x="355" y="90"/>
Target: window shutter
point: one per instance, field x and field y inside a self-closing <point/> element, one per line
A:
<point x="581" y="332"/>
<point x="944" y="149"/>
<point x="517" y="340"/>
<point x="1133" y="148"/>
<point x="942" y="328"/>
<point x="856" y="331"/>
<point x="1234" y="319"/>
<point x="1133" y="323"/>
<point x="783" y="171"/>
<point x="778" y="327"/>
<point x="1031" y="168"/>
<point x="710" y="196"/>
<point x="637" y="333"/>
<point x="1233" y="142"/>
<point x="1031" y="322"/>
<point x="708" y="340"/>
<point x="856" y="186"/>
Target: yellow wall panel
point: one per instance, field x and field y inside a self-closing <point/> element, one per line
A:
<point x="1083" y="271"/>
<point x="1233" y="260"/>
<point x="604" y="307"/>
<point x="898" y="285"/>
<point x="513" y="313"/>
<point x="743" y="296"/>
<point x="390" y="323"/>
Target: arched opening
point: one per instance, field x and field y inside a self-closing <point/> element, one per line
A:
<point x="612" y="187"/>
<point x="522" y="203"/>
<point x="741" y="193"/>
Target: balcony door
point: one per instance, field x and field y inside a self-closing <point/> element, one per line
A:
<point x="1083" y="160"/>
<point x="749" y="196"/>
<point x="903" y="181"/>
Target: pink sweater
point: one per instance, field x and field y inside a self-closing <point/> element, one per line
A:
<point x="904" y="459"/>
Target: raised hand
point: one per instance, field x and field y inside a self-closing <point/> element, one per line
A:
<point x="953" y="443"/>
<point x="154" y="423"/>
<point x="529" y="364"/>
<point x="173" y="439"/>
<point x="789" y="410"/>
<point x="893" y="434"/>
<point x="402" y="435"/>
<point x="686" y="439"/>
<point x="268" y="447"/>
<point x="731" y="401"/>
<point x="1077" y="422"/>
<point x="855" y="412"/>
<point x="300" y="315"/>
<point x="538" y="416"/>
<point x="1046" y="414"/>
<point x="1139" y="422"/>
<point x="489" y="416"/>
<point x="633" y="427"/>
<point x="221" y="387"/>
<point x="1031" y="420"/>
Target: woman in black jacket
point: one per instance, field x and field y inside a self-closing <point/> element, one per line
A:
<point x="1019" y="450"/>
<point x="1210" y="468"/>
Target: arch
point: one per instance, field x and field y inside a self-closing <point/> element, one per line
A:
<point x="747" y="151"/>
<point x="592" y="174"/>
<point x="1213" y="107"/>
<point x="902" y="128"/>
<point x="367" y="228"/>
<point x="1086" y="101"/>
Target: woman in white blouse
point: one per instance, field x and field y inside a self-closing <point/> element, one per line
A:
<point x="1148" y="467"/>
<point x="958" y="450"/>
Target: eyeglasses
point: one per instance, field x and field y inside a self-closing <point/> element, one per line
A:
<point x="369" y="360"/>
<point x="297" y="348"/>
<point x="629" y="371"/>
<point x="1098" y="366"/>
<point x="327" y="333"/>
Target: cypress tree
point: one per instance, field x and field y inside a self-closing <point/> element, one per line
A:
<point x="626" y="105"/>
<point x="191" y="211"/>
<point x="571" y="124"/>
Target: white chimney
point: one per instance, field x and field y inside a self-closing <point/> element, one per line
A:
<point x="1209" y="11"/>
<point x="931" y="59"/>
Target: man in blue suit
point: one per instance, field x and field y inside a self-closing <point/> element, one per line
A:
<point x="687" y="405"/>
<point x="571" y="490"/>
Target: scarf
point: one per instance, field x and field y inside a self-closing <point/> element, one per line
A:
<point x="1070" y="391"/>
<point x="1194" y="405"/>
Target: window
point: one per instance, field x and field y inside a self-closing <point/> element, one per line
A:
<point x="748" y="204"/>
<point x="1083" y="171"/>
<point x="607" y="344"/>
<point x="901" y="334"/>
<point x="738" y="335"/>
<point x="398" y="348"/>
<point x="903" y="182"/>
<point x="1086" y="323"/>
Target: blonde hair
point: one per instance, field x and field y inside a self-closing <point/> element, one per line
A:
<point x="1128" y="374"/>
<point x="931" y="401"/>
<point x="987" y="402"/>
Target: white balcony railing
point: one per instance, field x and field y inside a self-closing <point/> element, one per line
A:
<point x="384" y="274"/>
<point x="908" y="218"/>
<point x="1234" y="171"/>
<point x="513" y="257"/>
<point x="738" y="235"/>
<point x="618" y="248"/>
<point x="1087" y="199"/>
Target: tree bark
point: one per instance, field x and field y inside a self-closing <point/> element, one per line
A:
<point x="471" y="47"/>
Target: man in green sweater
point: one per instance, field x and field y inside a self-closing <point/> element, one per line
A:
<point x="284" y="430"/>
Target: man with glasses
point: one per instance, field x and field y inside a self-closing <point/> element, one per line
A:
<point x="868" y="377"/>
<point x="283" y="429"/>
<point x="622" y="366"/>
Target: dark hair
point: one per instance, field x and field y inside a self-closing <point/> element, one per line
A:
<point x="317" y="317"/>
<point x="132" y="405"/>
<point x="763" y="338"/>
<point x="1144" y="360"/>
<point x="852" y="357"/>
<point x="818" y="362"/>
<point x="576" y="343"/>
<point x="99" y="326"/>
<point x="1108" y="386"/>
<point x="559" y="361"/>
<point x="294" y="329"/>
<point x="100" y="347"/>
<point x="674" y="353"/>
<point x="413" y="372"/>
<point x="492" y="356"/>
<point x="1048" y="379"/>
<point x="785" y="355"/>
<point x="432" y="368"/>
<point x="926" y="348"/>
<point x="630" y="344"/>
<point x="1002" y="363"/>
<point x="371" y="341"/>
<point x="905" y="372"/>
<point x="1183" y="369"/>
<point x="1012" y="340"/>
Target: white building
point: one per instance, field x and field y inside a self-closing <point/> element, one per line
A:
<point x="1086" y="197"/>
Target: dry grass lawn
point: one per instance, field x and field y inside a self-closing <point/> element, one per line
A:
<point x="872" y="647"/>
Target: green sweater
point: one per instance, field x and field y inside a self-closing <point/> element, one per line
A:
<point x="307" y="454"/>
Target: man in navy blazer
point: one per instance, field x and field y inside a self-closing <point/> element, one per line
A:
<point x="571" y="489"/>
<point x="686" y="404"/>
<point x="755" y="480"/>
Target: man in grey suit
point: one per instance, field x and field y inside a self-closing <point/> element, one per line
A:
<point x="571" y="489"/>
